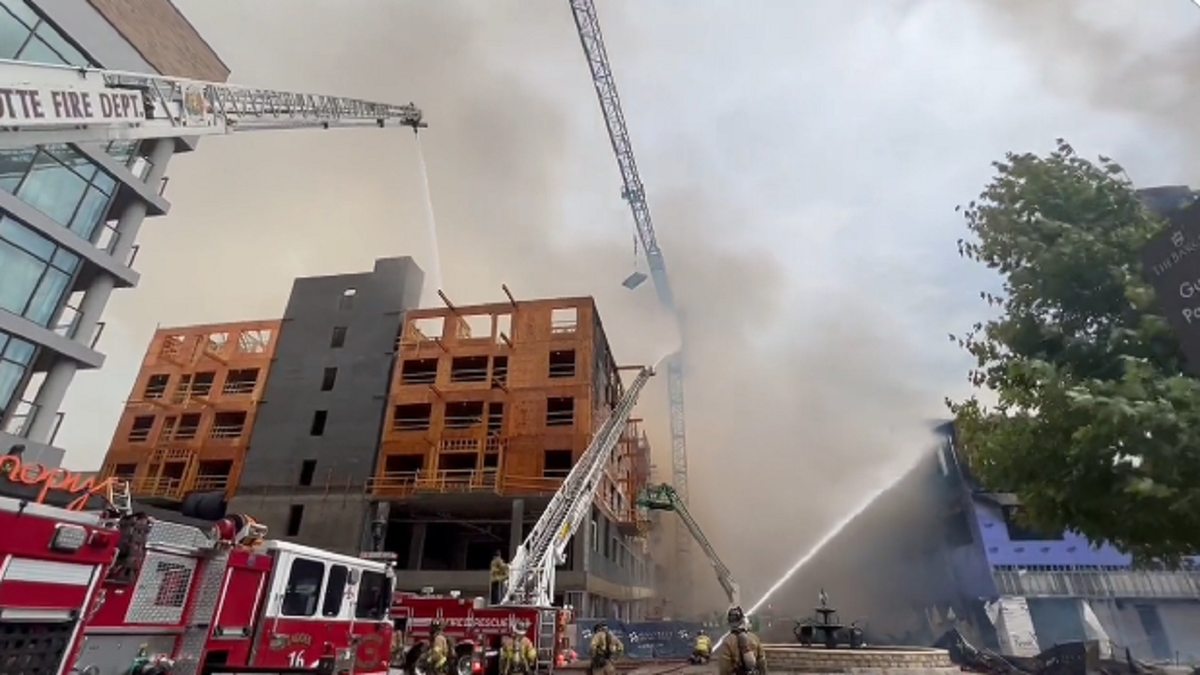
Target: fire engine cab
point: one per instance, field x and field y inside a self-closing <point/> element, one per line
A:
<point x="474" y="628"/>
<point x="184" y="601"/>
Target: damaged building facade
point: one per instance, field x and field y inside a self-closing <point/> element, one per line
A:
<point x="958" y="557"/>
<point x="359" y="422"/>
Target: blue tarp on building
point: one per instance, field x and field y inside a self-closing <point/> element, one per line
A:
<point x="645" y="639"/>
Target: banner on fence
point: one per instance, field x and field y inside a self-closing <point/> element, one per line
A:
<point x="645" y="639"/>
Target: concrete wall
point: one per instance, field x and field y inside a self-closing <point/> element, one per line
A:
<point x="345" y="452"/>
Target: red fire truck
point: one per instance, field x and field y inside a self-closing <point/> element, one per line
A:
<point x="52" y="562"/>
<point x="231" y="601"/>
<point x="475" y="629"/>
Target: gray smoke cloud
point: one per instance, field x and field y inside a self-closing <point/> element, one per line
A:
<point x="812" y="250"/>
<point x="1132" y="58"/>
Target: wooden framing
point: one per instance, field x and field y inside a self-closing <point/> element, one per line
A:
<point x="501" y="398"/>
<point x="187" y="422"/>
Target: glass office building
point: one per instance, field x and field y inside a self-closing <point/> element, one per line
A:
<point x="70" y="213"/>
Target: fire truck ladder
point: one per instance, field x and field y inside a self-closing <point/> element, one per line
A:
<point x="531" y="573"/>
<point x="665" y="498"/>
<point x="42" y="104"/>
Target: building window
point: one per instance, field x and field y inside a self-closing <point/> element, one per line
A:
<point x="61" y="183"/>
<point x="36" y="272"/>
<point x="338" y="339"/>
<point x="328" y="379"/>
<point x="122" y="151"/>
<point x="26" y="36"/>
<point x="15" y="357"/>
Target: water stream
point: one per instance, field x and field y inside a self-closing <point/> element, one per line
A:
<point x="824" y="541"/>
<point x="433" y="267"/>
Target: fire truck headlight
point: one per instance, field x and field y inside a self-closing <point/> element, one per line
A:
<point x="68" y="538"/>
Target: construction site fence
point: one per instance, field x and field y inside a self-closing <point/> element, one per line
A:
<point x="644" y="640"/>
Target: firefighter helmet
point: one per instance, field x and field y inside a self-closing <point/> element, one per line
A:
<point x="519" y="627"/>
<point x="735" y="616"/>
<point x="601" y="626"/>
<point x="435" y="625"/>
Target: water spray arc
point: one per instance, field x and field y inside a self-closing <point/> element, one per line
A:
<point x="828" y="537"/>
<point x="435" y="263"/>
<point x="592" y="41"/>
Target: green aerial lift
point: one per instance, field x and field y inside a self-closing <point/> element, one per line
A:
<point x="664" y="498"/>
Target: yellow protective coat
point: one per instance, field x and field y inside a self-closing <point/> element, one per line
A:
<point x="517" y="655"/>
<point x="740" y="652"/>
<point x="439" y="653"/>
<point x="702" y="646"/>
<point x="499" y="570"/>
<point x="605" y="648"/>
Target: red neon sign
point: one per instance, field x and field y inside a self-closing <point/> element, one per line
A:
<point x="49" y="481"/>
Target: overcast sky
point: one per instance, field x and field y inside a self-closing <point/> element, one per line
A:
<point x="802" y="160"/>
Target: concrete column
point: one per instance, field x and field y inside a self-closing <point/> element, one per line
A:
<point x="516" y="531"/>
<point x="54" y="388"/>
<point x="416" y="546"/>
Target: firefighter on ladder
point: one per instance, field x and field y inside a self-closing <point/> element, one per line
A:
<point x="437" y="659"/>
<point x="605" y="649"/>
<point x="741" y="652"/>
<point x="497" y="578"/>
<point x="517" y="653"/>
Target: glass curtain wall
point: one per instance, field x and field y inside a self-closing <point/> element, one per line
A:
<point x="35" y="273"/>
<point x="26" y="36"/>
<point x="15" y="357"/>
<point x="61" y="183"/>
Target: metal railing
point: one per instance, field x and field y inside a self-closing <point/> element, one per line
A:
<point x="1098" y="583"/>
<point x="175" y="488"/>
<point x="404" y="483"/>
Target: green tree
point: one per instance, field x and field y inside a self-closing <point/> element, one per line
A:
<point x="1095" y="426"/>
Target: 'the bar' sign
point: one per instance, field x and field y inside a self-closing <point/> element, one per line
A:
<point x="42" y="107"/>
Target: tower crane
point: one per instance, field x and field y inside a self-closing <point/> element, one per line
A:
<point x="590" y="37"/>
<point x="41" y="103"/>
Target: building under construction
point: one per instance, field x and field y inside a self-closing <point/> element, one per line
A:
<point x="359" y="422"/>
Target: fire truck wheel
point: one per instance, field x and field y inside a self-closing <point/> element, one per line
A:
<point x="462" y="665"/>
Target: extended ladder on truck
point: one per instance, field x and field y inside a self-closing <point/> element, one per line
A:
<point x="665" y="498"/>
<point x="531" y="572"/>
<point x="42" y="103"/>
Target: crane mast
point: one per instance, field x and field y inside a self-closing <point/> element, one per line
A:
<point x="588" y="25"/>
<point x="531" y="572"/>
<point x="41" y="103"/>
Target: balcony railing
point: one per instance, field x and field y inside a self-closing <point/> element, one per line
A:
<point x="175" y="488"/>
<point x="404" y="483"/>
<point x="20" y="422"/>
<point x="1098" y="584"/>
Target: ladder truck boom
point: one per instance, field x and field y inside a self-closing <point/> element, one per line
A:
<point x="41" y="103"/>
<point x="665" y="498"/>
<point x="531" y="572"/>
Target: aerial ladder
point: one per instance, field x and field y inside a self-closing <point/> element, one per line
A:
<point x="665" y="498"/>
<point x="531" y="571"/>
<point x="41" y="103"/>
<point x="592" y="41"/>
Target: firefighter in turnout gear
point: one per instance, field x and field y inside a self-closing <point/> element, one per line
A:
<point x="497" y="578"/>
<point x="518" y="656"/>
<point x="701" y="648"/>
<point x="741" y="652"/>
<point x="605" y="649"/>
<point x="437" y="658"/>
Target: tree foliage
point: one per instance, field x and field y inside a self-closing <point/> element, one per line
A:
<point x="1096" y="428"/>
